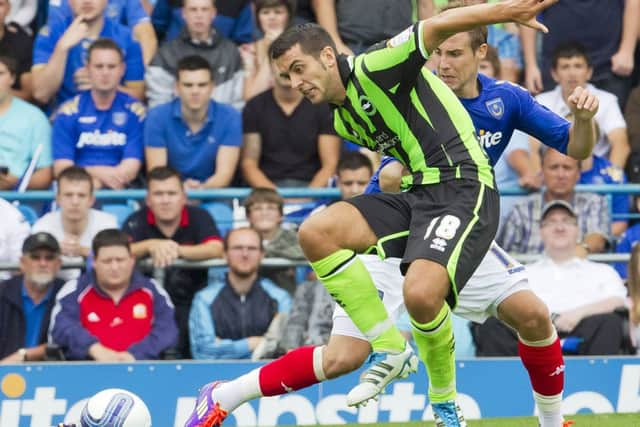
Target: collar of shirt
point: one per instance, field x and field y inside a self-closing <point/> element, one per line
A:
<point x="345" y="67"/>
<point x="184" y="217"/>
<point x="26" y="298"/>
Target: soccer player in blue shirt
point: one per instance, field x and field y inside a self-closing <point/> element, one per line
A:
<point x="60" y="52"/>
<point x="129" y="13"/>
<point x="101" y="129"/>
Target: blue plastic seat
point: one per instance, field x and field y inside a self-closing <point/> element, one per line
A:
<point x="120" y="210"/>
<point x="28" y="212"/>
<point x="222" y="214"/>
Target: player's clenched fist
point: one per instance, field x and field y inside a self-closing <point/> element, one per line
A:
<point x="583" y="104"/>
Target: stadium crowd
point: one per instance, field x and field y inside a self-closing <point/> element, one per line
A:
<point x="171" y="96"/>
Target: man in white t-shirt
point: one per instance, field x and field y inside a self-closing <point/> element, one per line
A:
<point x="14" y="228"/>
<point x="571" y="68"/>
<point x="75" y="224"/>
<point x="581" y="295"/>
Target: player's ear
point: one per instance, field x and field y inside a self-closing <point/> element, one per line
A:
<point x="481" y="52"/>
<point x="328" y="56"/>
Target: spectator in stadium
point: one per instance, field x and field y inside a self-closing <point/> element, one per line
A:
<point x="521" y="234"/>
<point x="357" y="24"/>
<point x="167" y="229"/>
<point x="59" y="56"/>
<point x="26" y="301"/>
<point x="631" y="114"/>
<point x="287" y="141"/>
<point x="627" y="243"/>
<point x="129" y="13"/>
<point x="264" y="209"/>
<point x="14" y="228"/>
<point x="198" y="37"/>
<point x="16" y="43"/>
<point x="571" y="67"/>
<point x="633" y="285"/>
<point x="113" y="313"/>
<point x="101" y="129"/>
<point x="26" y="134"/>
<point x="581" y="294"/>
<point x="22" y="13"/>
<point x="272" y="17"/>
<point x="607" y="29"/>
<point x="193" y="134"/>
<point x="75" y="224"/>
<point x="233" y="19"/>
<point x="214" y="326"/>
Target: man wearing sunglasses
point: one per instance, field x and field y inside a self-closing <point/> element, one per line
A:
<point x="26" y="300"/>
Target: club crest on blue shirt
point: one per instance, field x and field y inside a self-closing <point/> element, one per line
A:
<point x="119" y="118"/>
<point x="495" y="107"/>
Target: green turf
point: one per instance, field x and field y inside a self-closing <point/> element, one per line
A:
<point x="591" y="420"/>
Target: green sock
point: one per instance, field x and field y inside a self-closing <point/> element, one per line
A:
<point x="436" y="348"/>
<point x="349" y="283"/>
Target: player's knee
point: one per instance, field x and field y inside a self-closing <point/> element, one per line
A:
<point x="340" y="363"/>
<point x="311" y="233"/>
<point x="534" y="320"/>
<point x="422" y="303"/>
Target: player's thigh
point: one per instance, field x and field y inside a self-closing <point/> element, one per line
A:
<point x="341" y="225"/>
<point x="344" y="354"/>
<point x="453" y="225"/>
<point x="497" y="277"/>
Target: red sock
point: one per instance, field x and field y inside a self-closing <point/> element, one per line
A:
<point x="545" y="366"/>
<point x="293" y="371"/>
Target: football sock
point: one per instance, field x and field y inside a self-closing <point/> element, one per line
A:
<point x="297" y="369"/>
<point x="349" y="283"/>
<point x="436" y="344"/>
<point x="543" y="360"/>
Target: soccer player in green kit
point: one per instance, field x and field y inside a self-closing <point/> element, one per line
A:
<point x="385" y="100"/>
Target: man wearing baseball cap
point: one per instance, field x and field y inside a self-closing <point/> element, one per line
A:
<point x="26" y="300"/>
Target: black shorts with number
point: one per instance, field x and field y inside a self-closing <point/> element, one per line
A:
<point x="451" y="223"/>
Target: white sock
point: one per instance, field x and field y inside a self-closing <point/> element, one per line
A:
<point x="549" y="410"/>
<point x="234" y="393"/>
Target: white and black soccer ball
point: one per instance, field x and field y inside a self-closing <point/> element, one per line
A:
<point x="115" y="407"/>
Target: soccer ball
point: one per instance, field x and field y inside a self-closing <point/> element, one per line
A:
<point x="115" y="407"/>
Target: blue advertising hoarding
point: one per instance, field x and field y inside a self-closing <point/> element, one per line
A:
<point x="41" y="395"/>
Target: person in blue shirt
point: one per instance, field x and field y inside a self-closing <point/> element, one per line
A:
<point x="234" y="19"/>
<point x="129" y="13"/>
<point x="60" y="51"/>
<point x="101" y="129"/>
<point x="198" y="137"/>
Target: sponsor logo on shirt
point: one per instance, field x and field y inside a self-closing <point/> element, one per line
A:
<point x="87" y="119"/>
<point x="93" y="317"/>
<point x="140" y="311"/>
<point x="101" y="139"/>
<point x="495" y="107"/>
<point x="489" y="139"/>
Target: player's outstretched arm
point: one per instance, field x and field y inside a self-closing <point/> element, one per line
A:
<point x="583" y="135"/>
<point x="443" y="25"/>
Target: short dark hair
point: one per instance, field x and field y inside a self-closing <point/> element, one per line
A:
<point x="193" y="63"/>
<point x="75" y="173"/>
<point x="225" y="241"/>
<point x="352" y="160"/>
<point x="264" y="195"/>
<point x="569" y="49"/>
<point x="161" y="173"/>
<point x="478" y="35"/>
<point x="10" y="63"/>
<point x="493" y="58"/>
<point x="104" y="44"/>
<point x="311" y="37"/>
<point x="263" y="4"/>
<point x="110" y="237"/>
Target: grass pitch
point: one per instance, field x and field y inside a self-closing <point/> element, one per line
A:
<point x="586" y="420"/>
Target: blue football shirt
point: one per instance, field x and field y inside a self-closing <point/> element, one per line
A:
<point x="125" y="12"/>
<point x="500" y="109"/>
<point x="92" y="137"/>
<point x="49" y="35"/>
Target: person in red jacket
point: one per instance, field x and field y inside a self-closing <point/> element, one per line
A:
<point x="113" y="313"/>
